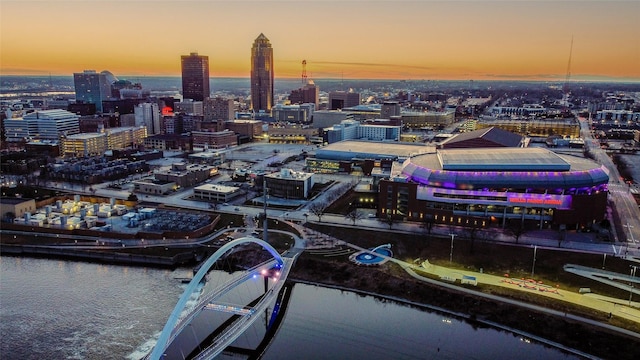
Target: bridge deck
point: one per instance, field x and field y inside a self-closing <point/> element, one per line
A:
<point x="243" y="322"/>
<point x="231" y="309"/>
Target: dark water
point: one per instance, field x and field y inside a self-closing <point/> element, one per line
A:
<point x="52" y="309"/>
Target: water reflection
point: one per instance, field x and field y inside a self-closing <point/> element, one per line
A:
<point x="328" y="323"/>
<point x="55" y="310"/>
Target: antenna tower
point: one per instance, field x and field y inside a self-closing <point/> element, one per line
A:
<point x="304" y="72"/>
<point x="565" y="88"/>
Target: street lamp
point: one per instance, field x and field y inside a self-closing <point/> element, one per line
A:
<point x="633" y="274"/>
<point x="629" y="227"/>
<point x="451" y="252"/>
<point x="535" y="249"/>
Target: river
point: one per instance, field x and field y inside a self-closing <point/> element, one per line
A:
<point x="58" y="309"/>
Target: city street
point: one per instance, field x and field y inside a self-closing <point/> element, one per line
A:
<point x="620" y="193"/>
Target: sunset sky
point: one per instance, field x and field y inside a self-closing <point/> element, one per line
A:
<point x="419" y="39"/>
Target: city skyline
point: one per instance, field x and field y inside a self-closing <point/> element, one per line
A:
<point x="455" y="40"/>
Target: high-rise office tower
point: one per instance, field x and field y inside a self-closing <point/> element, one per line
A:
<point x="195" y="76"/>
<point x="309" y="93"/>
<point x="218" y="109"/>
<point x="261" y="74"/>
<point x="93" y="87"/>
<point x="343" y="99"/>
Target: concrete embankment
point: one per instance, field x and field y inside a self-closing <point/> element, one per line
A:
<point x="110" y="257"/>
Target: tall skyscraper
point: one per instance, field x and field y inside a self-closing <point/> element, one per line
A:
<point x="261" y="74"/>
<point x="195" y="77"/>
<point x="93" y="87"/>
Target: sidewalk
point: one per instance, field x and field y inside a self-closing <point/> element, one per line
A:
<point x="578" y="241"/>
<point x="616" y="307"/>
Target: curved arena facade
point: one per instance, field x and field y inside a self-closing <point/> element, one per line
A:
<point x="514" y="186"/>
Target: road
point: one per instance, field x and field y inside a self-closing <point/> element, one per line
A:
<point x="626" y="209"/>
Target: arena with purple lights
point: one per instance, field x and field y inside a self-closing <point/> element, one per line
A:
<point x="478" y="187"/>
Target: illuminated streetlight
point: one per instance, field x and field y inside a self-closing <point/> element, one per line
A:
<point x="451" y="252"/>
<point x="633" y="274"/>
<point x="629" y="227"/>
<point x="535" y="248"/>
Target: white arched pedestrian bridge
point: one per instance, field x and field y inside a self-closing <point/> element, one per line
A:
<point x="179" y="339"/>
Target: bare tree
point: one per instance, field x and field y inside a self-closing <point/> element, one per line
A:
<point x="427" y="224"/>
<point x="389" y="220"/>
<point x="562" y="235"/>
<point x="472" y="234"/>
<point x="517" y="230"/>
<point x="354" y="215"/>
<point x="318" y="209"/>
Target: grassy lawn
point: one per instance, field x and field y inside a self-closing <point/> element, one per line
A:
<point x="492" y="258"/>
<point x="391" y="280"/>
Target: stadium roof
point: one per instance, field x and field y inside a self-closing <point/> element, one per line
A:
<point x="504" y="167"/>
<point x="506" y="159"/>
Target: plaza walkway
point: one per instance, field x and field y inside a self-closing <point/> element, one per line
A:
<point x="454" y="278"/>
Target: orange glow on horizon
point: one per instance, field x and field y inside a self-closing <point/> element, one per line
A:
<point x="412" y="40"/>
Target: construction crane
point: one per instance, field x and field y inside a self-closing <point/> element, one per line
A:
<point x="304" y="72"/>
<point x="565" y="87"/>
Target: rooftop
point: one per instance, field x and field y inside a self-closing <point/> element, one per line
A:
<point x="216" y="188"/>
<point x="512" y="159"/>
<point x="373" y="149"/>
<point x="85" y="136"/>
<point x="505" y="168"/>
<point x="290" y="174"/>
<point x="51" y="114"/>
<point x="13" y="200"/>
<point x="492" y="134"/>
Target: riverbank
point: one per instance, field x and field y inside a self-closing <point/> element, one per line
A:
<point x="475" y="321"/>
<point x="105" y="256"/>
<point x="392" y="282"/>
<point x="388" y="282"/>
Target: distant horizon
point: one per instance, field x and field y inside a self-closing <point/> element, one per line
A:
<point x="561" y="80"/>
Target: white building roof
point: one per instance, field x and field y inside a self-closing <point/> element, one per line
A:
<point x="222" y="189"/>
